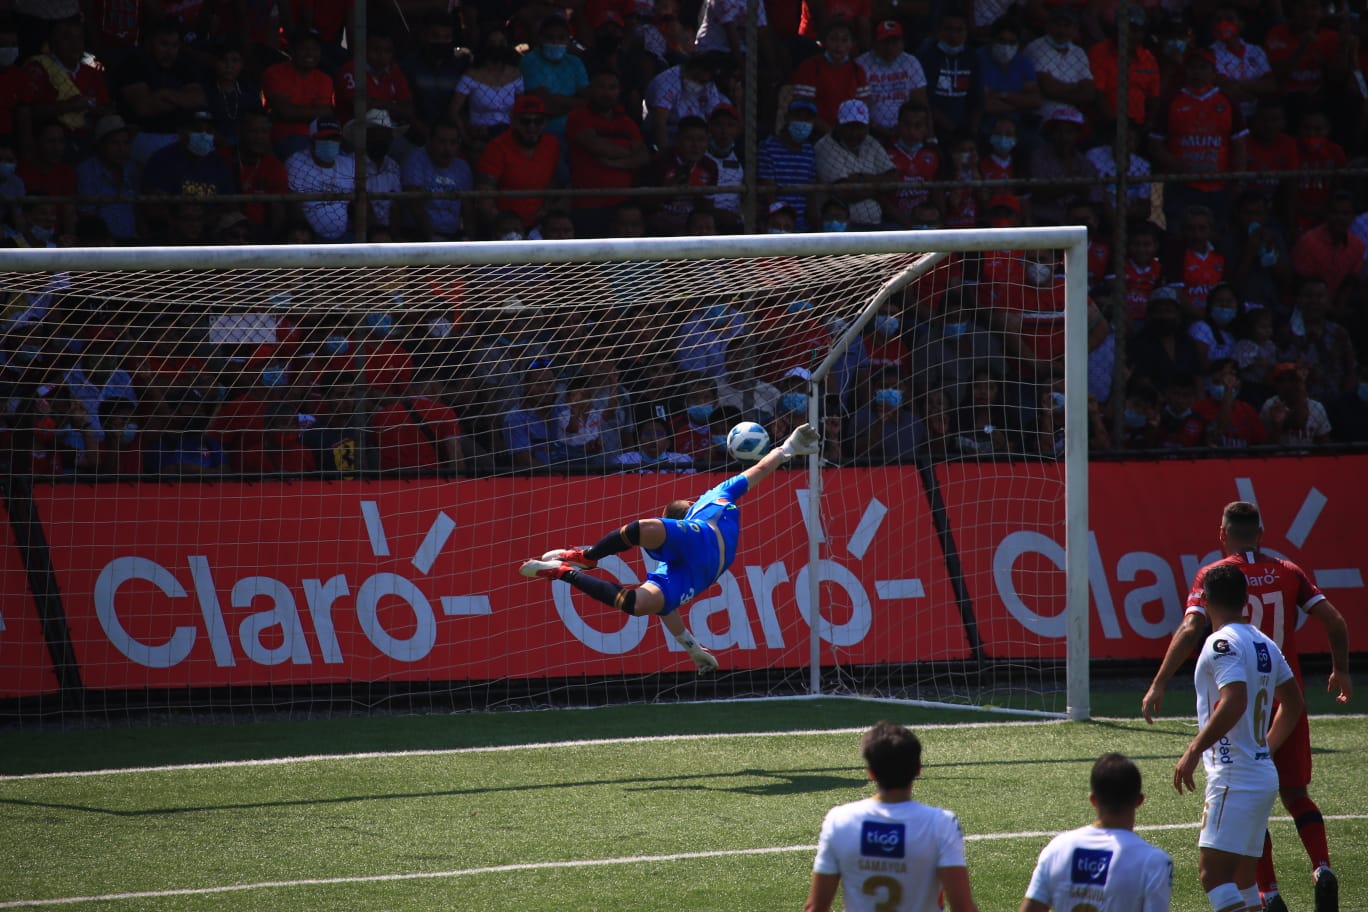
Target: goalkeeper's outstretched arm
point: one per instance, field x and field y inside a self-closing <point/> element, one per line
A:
<point x="802" y="442"/>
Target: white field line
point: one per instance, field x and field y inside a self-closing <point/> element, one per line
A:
<point x="548" y="745"/>
<point x="538" y="866"/>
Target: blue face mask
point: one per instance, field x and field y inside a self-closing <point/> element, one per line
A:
<point x="129" y="433"/>
<point x="1058" y="45"/>
<point x="1223" y="316"/>
<point x="795" y="403"/>
<point x="1135" y="420"/>
<point x="889" y="397"/>
<point x="380" y="323"/>
<point x="719" y="439"/>
<point x="798" y="307"/>
<point x="337" y="345"/>
<point x="1176" y="45"/>
<point x="886" y="325"/>
<point x="40" y="233"/>
<point x="1216" y="390"/>
<point x="699" y="414"/>
<point x="7" y="170"/>
<point x="273" y="377"/>
<point x="950" y="50"/>
<point x="200" y="144"/>
<point x="326" y="150"/>
<point x="799" y="130"/>
<point x="554" y="52"/>
<point x="1002" y="144"/>
<point x="955" y="329"/>
<point x="833" y="225"/>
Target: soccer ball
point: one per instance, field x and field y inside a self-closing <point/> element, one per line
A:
<point x="747" y="441"/>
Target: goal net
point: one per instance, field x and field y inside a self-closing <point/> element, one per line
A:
<point x="260" y="477"/>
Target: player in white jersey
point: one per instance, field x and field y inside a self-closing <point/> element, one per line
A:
<point x="1104" y="867"/>
<point x="1240" y="673"/>
<point x="890" y="852"/>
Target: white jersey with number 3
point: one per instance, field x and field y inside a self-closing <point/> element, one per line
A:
<point x="1102" y="870"/>
<point x="1240" y="653"/>
<point x="887" y="855"/>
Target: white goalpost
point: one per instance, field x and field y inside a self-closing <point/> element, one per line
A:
<point x="264" y="476"/>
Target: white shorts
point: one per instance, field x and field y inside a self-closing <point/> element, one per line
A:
<point x="1234" y="819"/>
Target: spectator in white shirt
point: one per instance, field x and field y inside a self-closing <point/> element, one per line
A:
<point x="322" y="168"/>
<point x="849" y="155"/>
<point x="686" y="90"/>
<point x="892" y="77"/>
<point x="1062" y="69"/>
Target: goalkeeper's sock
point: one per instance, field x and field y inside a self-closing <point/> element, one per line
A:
<point x="629" y="536"/>
<point x="1264" y="875"/>
<point x="601" y="590"/>
<point x="1311" y="828"/>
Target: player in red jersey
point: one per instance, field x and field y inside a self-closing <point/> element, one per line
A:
<point x="1279" y="592"/>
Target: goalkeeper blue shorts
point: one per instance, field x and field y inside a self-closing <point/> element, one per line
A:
<point x="694" y="555"/>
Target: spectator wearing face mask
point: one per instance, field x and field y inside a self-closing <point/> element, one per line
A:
<point x="893" y="78"/>
<point x="1231" y="422"/>
<point x="887" y="350"/>
<point x="382" y="171"/>
<point x="693" y="421"/>
<point x="787" y="158"/>
<point x="1062" y="67"/>
<point x="1011" y="89"/>
<point x="550" y="72"/>
<point x="1212" y="333"/>
<point x="954" y="77"/>
<point x="1059" y="157"/>
<point x="1180" y="427"/>
<point x="832" y="76"/>
<point x="321" y="168"/>
<point x="849" y="155"/>
<point x="887" y="431"/>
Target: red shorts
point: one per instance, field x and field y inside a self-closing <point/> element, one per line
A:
<point x="1293" y="759"/>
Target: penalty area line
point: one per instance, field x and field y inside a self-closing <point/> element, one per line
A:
<point x="540" y="866"/>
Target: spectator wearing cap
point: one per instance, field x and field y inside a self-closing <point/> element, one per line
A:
<point x="297" y="93"/>
<point x="1201" y="131"/>
<point x="832" y="76"/>
<point x="893" y="78"/>
<point x="524" y="158"/>
<point x="1243" y="71"/>
<point x="550" y="72"/>
<point x="684" y="90"/>
<point x="849" y="155"/>
<point x="1291" y="417"/>
<point x="157" y="87"/>
<point x="382" y="171"/>
<point x="1161" y="350"/>
<point x="1142" y="77"/>
<point x="109" y="172"/>
<point x="258" y="173"/>
<point x="64" y="85"/>
<point x="724" y="126"/>
<point x="686" y="164"/>
<point x="433" y="71"/>
<point x="1059" y="157"/>
<point x="322" y="168"/>
<point x="780" y="218"/>
<point x="387" y="88"/>
<point x="606" y="149"/>
<point x="484" y="97"/>
<point x="1062" y="67"/>
<point x="436" y="168"/>
<point x="722" y="28"/>
<point x="1010" y="87"/>
<point x="787" y="157"/>
<point x="187" y="167"/>
<point x="953" y="76"/>
<point x="916" y="157"/>
<point x="1334" y="254"/>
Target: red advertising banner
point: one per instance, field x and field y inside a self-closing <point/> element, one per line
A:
<point x="25" y="664"/>
<point x="316" y="582"/>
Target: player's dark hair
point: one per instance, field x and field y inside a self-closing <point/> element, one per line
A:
<point x="1115" y="783"/>
<point x="1225" y="588"/>
<point x="1240" y="519"/>
<point x="893" y="754"/>
<point x="676" y="509"/>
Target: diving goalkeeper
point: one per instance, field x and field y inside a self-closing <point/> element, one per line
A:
<point x="695" y="542"/>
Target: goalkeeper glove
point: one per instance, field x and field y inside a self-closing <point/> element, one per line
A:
<point x="802" y="442"/>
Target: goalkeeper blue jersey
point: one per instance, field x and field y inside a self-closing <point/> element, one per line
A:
<point x="700" y="547"/>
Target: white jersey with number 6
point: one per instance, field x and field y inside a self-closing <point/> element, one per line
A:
<point x="887" y="855"/>
<point x="1235" y="653"/>
<point x="1092" y="869"/>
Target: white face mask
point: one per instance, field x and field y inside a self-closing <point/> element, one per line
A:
<point x="1003" y="53"/>
<point x="439" y="328"/>
<point x="1039" y="273"/>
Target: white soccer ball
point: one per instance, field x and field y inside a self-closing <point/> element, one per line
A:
<point x="747" y="441"/>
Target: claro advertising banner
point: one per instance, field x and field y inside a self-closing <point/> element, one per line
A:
<point x="313" y="582"/>
<point x="25" y="665"/>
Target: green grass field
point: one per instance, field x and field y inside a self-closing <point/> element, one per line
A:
<point x="702" y="806"/>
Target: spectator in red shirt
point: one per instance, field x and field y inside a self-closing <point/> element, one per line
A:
<point x="1305" y="55"/>
<point x="387" y="88"/>
<point x="1271" y="149"/>
<point x="258" y="172"/>
<point x="1202" y="130"/>
<point x="279" y="448"/>
<point x="1197" y="267"/>
<point x="1316" y="151"/>
<point x="817" y="15"/>
<point x="833" y="75"/>
<point x="684" y="165"/>
<point x="66" y="86"/>
<point x="416" y="433"/>
<point x="916" y="157"/>
<point x="47" y="173"/>
<point x="297" y="93"/>
<point x="1144" y="271"/>
<point x="606" y="148"/>
<point x="1142" y="87"/>
<point x="1231" y="422"/>
<point x="1180" y="425"/>
<point x="1333" y="254"/>
<point x="522" y="158"/>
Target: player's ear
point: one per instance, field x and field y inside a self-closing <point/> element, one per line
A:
<point x="1140" y="800"/>
<point x="1092" y="799"/>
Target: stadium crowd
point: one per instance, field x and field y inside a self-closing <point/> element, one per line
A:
<point x="1245" y="303"/>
